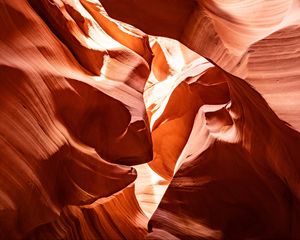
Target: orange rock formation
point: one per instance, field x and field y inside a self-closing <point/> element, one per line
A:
<point x="149" y="119"/>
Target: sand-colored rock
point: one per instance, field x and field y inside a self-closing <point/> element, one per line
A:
<point x="255" y="40"/>
<point x="244" y="187"/>
<point x="116" y="217"/>
<point x="245" y="184"/>
<point x="64" y="130"/>
<point x="105" y="129"/>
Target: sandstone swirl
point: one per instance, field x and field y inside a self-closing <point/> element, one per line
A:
<point x="106" y="130"/>
<point x="238" y="168"/>
<point x="64" y="130"/>
<point x="253" y="40"/>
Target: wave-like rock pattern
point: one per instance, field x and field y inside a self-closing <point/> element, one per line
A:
<point x="64" y="131"/>
<point x="254" y="40"/>
<point x="244" y="183"/>
<point x="172" y="106"/>
<point x="84" y="97"/>
<point x="116" y="217"/>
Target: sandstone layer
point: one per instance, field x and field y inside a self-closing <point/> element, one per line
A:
<point x="149" y="119"/>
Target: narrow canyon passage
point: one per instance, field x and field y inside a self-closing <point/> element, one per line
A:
<point x="149" y="119"/>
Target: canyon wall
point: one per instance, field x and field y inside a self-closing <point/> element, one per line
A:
<point x="149" y="119"/>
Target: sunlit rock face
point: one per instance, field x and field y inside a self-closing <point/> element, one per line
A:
<point x="69" y="122"/>
<point x="254" y="40"/>
<point x="118" y="131"/>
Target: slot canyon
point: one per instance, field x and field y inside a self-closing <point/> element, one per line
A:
<point x="149" y="119"/>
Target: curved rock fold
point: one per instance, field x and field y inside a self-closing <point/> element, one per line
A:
<point x="149" y="119"/>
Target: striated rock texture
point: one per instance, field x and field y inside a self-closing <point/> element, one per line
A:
<point x="245" y="185"/>
<point x="109" y="133"/>
<point x="115" y="217"/>
<point x="238" y="163"/>
<point x="253" y="40"/>
<point x="66" y="133"/>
